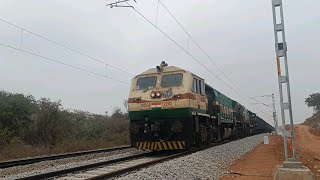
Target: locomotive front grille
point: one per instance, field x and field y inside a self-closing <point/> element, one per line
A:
<point x="163" y="145"/>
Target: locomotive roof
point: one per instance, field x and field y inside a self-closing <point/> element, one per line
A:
<point x="165" y="70"/>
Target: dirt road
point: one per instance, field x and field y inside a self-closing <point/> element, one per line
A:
<point x="306" y="140"/>
<point x="260" y="163"/>
<point x="308" y="149"/>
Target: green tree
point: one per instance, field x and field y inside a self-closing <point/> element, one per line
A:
<point x="314" y="101"/>
<point x="15" y="112"/>
<point x="48" y="121"/>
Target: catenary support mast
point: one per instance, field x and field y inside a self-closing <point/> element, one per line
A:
<point x="283" y="77"/>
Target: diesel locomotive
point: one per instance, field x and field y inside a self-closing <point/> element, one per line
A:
<point x="171" y="108"/>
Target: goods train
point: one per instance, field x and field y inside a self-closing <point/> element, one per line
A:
<point x="171" y="108"/>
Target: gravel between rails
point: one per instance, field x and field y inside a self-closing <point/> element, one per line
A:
<point x="211" y="163"/>
<point x="53" y="165"/>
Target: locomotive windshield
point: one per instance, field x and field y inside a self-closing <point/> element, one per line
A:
<point x="171" y="80"/>
<point x="145" y="83"/>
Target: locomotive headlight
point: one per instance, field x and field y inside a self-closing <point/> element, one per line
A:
<point x="177" y="126"/>
<point x="155" y="94"/>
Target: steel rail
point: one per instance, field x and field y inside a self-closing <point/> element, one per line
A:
<point x="121" y="171"/>
<point x="19" y="162"/>
<point x="139" y="166"/>
<point x="149" y="163"/>
<point x="81" y="168"/>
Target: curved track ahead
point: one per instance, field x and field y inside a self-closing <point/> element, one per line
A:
<point x="20" y="162"/>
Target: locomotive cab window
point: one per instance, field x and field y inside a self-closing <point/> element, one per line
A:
<point x="202" y="90"/>
<point x="194" y="85"/>
<point x="170" y="80"/>
<point x="198" y="86"/>
<point x="145" y="83"/>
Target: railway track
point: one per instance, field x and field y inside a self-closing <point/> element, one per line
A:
<point x="20" y="162"/>
<point x="64" y="173"/>
<point x="116" y="167"/>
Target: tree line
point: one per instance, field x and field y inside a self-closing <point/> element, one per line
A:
<point x="25" y="121"/>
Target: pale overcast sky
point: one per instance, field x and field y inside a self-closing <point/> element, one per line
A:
<point x="238" y="35"/>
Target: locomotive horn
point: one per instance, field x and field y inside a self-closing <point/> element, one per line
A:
<point x="158" y="68"/>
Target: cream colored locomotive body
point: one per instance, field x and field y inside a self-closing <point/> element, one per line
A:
<point x="180" y="95"/>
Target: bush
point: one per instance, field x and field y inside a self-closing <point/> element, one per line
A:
<point x="30" y="128"/>
<point x="314" y="123"/>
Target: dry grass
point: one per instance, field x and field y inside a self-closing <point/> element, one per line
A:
<point x="315" y="131"/>
<point x="17" y="151"/>
<point x="314" y="124"/>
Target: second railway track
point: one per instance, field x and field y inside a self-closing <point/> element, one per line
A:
<point x="19" y="162"/>
<point x="71" y="173"/>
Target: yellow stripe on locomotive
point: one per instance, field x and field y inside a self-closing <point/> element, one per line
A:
<point x="161" y="145"/>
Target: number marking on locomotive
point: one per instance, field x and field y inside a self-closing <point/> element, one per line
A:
<point x="167" y="103"/>
<point x="145" y="105"/>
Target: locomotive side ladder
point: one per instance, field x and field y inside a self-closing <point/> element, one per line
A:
<point x="283" y="77"/>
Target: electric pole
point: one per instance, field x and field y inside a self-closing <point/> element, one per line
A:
<point x="283" y="78"/>
<point x="274" y="112"/>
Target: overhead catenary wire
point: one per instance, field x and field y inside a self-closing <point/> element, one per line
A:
<point x="260" y="102"/>
<point x="62" y="63"/>
<point x="187" y="52"/>
<point x="64" y="46"/>
<point x="266" y="114"/>
<point x="197" y="44"/>
<point x="183" y="49"/>
<point x="177" y="44"/>
<point x="101" y="61"/>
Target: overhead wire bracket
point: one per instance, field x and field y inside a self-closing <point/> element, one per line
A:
<point x="119" y="3"/>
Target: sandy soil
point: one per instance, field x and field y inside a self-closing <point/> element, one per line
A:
<point x="308" y="149"/>
<point x="306" y="140"/>
<point x="260" y="163"/>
